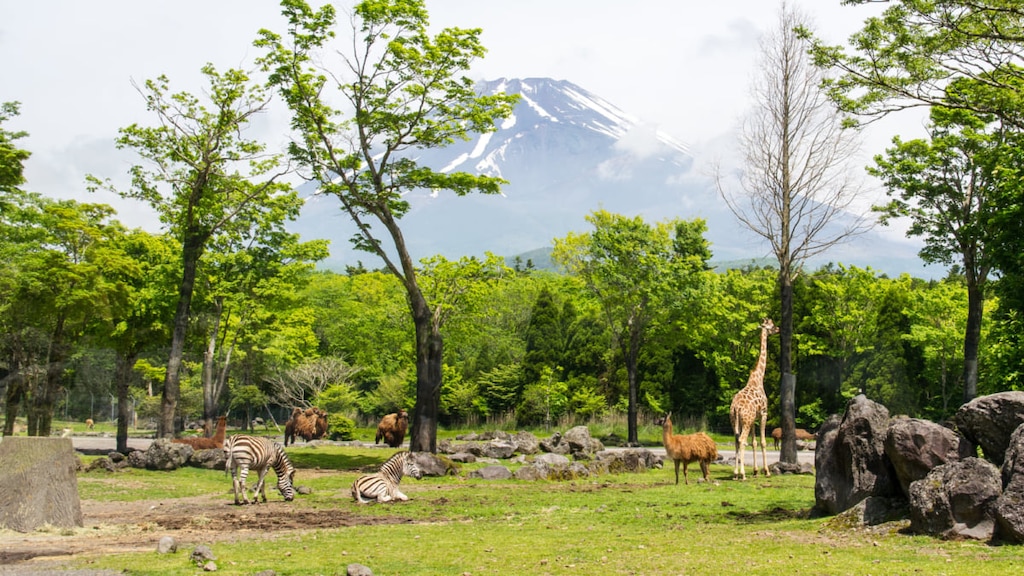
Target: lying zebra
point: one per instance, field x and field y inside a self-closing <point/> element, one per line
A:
<point x="244" y="452"/>
<point x="383" y="486"/>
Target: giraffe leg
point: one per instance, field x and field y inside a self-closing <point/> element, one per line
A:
<point x="764" y="444"/>
<point x="740" y="470"/>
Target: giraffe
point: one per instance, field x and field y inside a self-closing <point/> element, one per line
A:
<point x="751" y="404"/>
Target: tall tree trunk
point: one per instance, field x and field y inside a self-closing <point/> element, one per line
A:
<point x="209" y="363"/>
<point x="429" y="348"/>
<point x="44" y="397"/>
<point x="17" y="389"/>
<point x="972" y="337"/>
<point x="632" y="350"/>
<point x="172" y="380"/>
<point x="787" y="386"/>
<point x="122" y="381"/>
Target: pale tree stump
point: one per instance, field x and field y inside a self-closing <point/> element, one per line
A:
<point x="38" y="485"/>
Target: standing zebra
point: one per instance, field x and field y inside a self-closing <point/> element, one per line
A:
<point x="383" y="486"/>
<point x="260" y="454"/>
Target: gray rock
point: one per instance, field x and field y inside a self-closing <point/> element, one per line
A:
<point x="464" y="457"/>
<point x="805" y="468"/>
<point x="989" y="421"/>
<point x="358" y="570"/>
<point x="492" y="473"/>
<point x="162" y="454"/>
<point x="850" y="458"/>
<point x="434" y="465"/>
<point x="552" y="459"/>
<point x="581" y="443"/>
<point x="202" y="553"/>
<point x="874" y="510"/>
<point x="500" y="449"/>
<point x="1009" y="507"/>
<point x="635" y="460"/>
<point x="526" y="443"/>
<point x="956" y="500"/>
<point x="167" y="545"/>
<point x="211" y="459"/>
<point x="917" y="446"/>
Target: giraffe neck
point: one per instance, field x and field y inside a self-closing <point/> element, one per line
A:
<point x="757" y="374"/>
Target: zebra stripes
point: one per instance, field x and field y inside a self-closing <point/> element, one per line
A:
<point x="383" y="486"/>
<point x="260" y="454"/>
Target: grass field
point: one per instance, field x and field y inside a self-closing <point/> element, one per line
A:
<point x="616" y="524"/>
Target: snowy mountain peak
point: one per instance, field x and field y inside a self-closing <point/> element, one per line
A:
<point x="557" y="114"/>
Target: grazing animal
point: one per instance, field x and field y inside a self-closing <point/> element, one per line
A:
<point x="392" y="428"/>
<point x="203" y="443"/>
<point x="308" y="424"/>
<point x="698" y="447"/>
<point x="246" y="452"/>
<point x="89" y="423"/>
<point x="383" y="486"/>
<point x="801" y="434"/>
<point x="751" y="404"/>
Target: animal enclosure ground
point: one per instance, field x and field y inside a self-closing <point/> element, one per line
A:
<point x="617" y="524"/>
<point x="113" y="527"/>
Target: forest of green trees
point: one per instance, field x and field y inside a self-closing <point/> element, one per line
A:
<point x="225" y="310"/>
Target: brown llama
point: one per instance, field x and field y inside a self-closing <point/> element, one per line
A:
<point x="392" y="428"/>
<point x="308" y="424"/>
<point x="89" y="423"/>
<point x="801" y="434"/>
<point x="686" y="448"/>
<point x="202" y="443"/>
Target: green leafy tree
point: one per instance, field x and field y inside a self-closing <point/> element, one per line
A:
<point x="939" y="318"/>
<point x="630" y="266"/>
<point x="206" y="182"/>
<point x="59" y="288"/>
<point x="955" y="54"/>
<point x="248" y="398"/>
<point x="251" y="292"/>
<point x="407" y="91"/>
<point x="944" y="184"/>
<point x="140" y="268"/>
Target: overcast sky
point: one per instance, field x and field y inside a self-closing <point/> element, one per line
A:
<point x="681" y="66"/>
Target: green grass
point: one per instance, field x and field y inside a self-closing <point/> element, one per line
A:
<point x="616" y="524"/>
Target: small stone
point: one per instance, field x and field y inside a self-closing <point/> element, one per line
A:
<point x="358" y="570"/>
<point x="210" y="566"/>
<point x="167" y="545"/>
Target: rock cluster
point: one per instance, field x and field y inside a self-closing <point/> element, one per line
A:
<point x="876" y="467"/>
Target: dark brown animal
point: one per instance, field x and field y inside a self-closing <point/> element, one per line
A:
<point x="801" y="434"/>
<point x="392" y="428"/>
<point x="308" y="424"/>
<point x="686" y="448"/>
<point x="202" y="443"/>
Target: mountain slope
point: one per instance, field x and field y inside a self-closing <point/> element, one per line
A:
<point x="565" y="152"/>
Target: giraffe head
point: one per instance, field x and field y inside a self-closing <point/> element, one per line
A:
<point x="770" y="326"/>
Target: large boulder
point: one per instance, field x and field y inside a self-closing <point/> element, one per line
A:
<point x="1009" y="507"/>
<point x="554" y="444"/>
<point x="989" y="421"/>
<point x="162" y="454"/>
<point x="581" y="444"/>
<point x="850" y="458"/>
<point x="493" y="472"/>
<point x="38" y="485"/>
<point x="916" y="446"/>
<point x="956" y="500"/>
<point x="434" y="465"/>
<point x="526" y="443"/>
<point x="629" y="460"/>
<point x="211" y="459"/>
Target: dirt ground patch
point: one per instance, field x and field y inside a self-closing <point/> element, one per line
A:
<point x="118" y="527"/>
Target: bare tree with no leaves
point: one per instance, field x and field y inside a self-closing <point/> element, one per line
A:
<point x="797" y="186"/>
